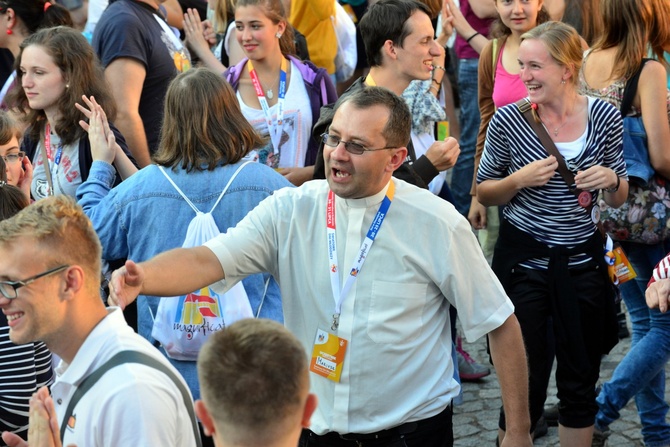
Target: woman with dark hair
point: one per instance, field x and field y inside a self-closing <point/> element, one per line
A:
<point x="55" y="68"/>
<point x="617" y="55"/>
<point x="280" y="95"/>
<point x="19" y="170"/>
<point x="21" y="18"/>
<point x="204" y="140"/>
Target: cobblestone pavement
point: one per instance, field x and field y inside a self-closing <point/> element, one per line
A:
<point x="476" y="419"/>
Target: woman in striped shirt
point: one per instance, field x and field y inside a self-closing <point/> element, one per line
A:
<point x="549" y="255"/>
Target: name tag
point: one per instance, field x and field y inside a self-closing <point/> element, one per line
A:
<point x="328" y="355"/>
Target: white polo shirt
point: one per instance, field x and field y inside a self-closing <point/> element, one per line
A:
<point x="132" y="404"/>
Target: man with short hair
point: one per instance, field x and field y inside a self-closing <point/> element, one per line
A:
<point x="400" y="46"/>
<point x="367" y="298"/>
<point x="49" y="291"/>
<point x="255" y="386"/>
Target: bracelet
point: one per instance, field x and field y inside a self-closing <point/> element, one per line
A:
<point x="437" y="89"/>
<point x="616" y="188"/>
<point x="436" y="81"/>
<point x="471" y="37"/>
<point x="439" y="67"/>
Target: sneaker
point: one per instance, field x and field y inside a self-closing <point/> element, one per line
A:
<point x="468" y="369"/>
<point x="599" y="437"/>
<point x="551" y="415"/>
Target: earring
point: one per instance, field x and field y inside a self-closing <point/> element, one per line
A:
<point x="9" y="31"/>
<point x="562" y="81"/>
<point x="278" y="35"/>
<point x="67" y="85"/>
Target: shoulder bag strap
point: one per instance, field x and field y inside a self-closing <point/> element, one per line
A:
<point x="130" y="357"/>
<point x="630" y="89"/>
<point x="524" y="107"/>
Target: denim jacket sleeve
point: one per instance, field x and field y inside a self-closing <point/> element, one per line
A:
<point x="94" y="197"/>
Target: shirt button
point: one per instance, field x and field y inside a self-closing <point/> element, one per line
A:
<point x="60" y="401"/>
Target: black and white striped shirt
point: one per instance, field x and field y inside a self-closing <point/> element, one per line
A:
<point x="551" y="213"/>
<point x="23" y="370"/>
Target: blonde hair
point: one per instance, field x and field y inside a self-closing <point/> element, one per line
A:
<point x="58" y="224"/>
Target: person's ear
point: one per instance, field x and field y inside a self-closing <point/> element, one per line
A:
<point x="310" y="406"/>
<point x="206" y="420"/>
<point x="398" y="157"/>
<point x="74" y="281"/>
<point x="388" y="49"/>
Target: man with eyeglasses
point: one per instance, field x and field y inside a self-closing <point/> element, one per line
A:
<point x="367" y="298"/>
<point x="49" y="291"/>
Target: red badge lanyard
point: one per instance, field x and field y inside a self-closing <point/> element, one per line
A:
<point x="275" y="131"/>
<point x="56" y="158"/>
<point x="340" y="294"/>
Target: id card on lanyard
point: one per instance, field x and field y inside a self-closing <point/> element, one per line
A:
<point x="274" y="130"/>
<point x="180" y="57"/>
<point x="56" y="158"/>
<point x="329" y="349"/>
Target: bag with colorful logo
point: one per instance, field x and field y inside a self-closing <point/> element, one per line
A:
<point x="183" y="324"/>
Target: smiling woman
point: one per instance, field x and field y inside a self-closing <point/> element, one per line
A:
<point x="549" y="255"/>
<point x="280" y="95"/>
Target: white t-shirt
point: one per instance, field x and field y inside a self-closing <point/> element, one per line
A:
<point x="296" y="129"/>
<point x="66" y="177"/>
<point x="132" y="404"/>
<point x="396" y="315"/>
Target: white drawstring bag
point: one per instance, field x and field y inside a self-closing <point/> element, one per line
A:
<point x="183" y="324"/>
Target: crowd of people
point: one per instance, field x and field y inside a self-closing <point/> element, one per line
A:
<point x="360" y="232"/>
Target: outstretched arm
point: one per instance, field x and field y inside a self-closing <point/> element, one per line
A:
<point x="173" y="273"/>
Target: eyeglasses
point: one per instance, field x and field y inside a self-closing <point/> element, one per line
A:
<point x="352" y="148"/>
<point x="9" y="288"/>
<point x="13" y="158"/>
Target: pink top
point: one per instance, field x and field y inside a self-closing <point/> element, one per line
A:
<point x="508" y="88"/>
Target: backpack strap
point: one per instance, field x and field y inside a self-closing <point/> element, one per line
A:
<point x="181" y="193"/>
<point x="197" y="211"/>
<point x="630" y="89"/>
<point x="237" y="171"/>
<point x="131" y="357"/>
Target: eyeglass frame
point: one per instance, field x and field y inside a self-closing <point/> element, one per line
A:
<point x="20" y="155"/>
<point x="347" y="144"/>
<point x="24" y="282"/>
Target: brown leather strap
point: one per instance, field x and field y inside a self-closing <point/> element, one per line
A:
<point x="524" y="107"/>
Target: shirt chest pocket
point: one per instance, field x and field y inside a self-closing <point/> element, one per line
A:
<point x="396" y="311"/>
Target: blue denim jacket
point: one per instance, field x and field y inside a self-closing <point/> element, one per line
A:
<point x="144" y="216"/>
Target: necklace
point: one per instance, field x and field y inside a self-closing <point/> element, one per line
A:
<point x="269" y="92"/>
<point x="556" y="129"/>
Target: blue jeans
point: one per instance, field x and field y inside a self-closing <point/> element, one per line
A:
<point x="462" y="172"/>
<point x="641" y="373"/>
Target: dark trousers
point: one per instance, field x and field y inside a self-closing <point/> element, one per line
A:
<point x="575" y="378"/>
<point x="436" y="431"/>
